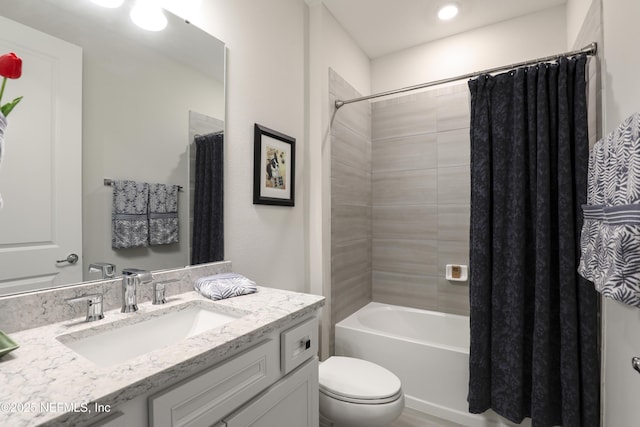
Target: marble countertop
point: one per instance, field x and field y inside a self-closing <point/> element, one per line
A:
<point x="45" y="383"/>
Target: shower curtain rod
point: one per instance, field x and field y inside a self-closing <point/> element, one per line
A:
<point x="588" y="50"/>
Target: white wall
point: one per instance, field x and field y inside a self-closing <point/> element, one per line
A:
<point x="265" y="85"/>
<point x="621" y="323"/>
<point x="277" y="75"/>
<point x="527" y="37"/>
<point x="576" y="13"/>
<point x="343" y="54"/>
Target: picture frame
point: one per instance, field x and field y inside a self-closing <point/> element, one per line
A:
<point x="273" y="167"/>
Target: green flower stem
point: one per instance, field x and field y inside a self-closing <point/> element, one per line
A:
<point x="4" y="82"/>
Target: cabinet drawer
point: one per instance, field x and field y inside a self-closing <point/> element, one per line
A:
<point x="298" y="344"/>
<point x="205" y="399"/>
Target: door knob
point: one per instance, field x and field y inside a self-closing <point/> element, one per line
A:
<point x="71" y="259"/>
<point x="635" y="362"/>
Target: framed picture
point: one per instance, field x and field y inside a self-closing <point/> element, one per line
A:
<point x="274" y="164"/>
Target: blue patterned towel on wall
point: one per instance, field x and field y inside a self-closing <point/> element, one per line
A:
<point x="225" y="285"/>
<point x="163" y="214"/>
<point x="610" y="239"/>
<point x="129" y="224"/>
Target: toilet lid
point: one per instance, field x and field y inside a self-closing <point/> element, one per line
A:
<point x="357" y="379"/>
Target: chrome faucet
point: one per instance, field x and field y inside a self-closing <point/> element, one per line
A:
<point x="107" y="269"/>
<point x="131" y="278"/>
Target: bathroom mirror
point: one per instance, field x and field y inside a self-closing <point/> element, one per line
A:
<point x="141" y="92"/>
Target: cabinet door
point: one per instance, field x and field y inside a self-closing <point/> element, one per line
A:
<point x="291" y="402"/>
<point x="205" y="398"/>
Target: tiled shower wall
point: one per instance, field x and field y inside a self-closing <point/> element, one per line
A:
<point x="399" y="200"/>
<point x="350" y="203"/>
<point x="420" y="198"/>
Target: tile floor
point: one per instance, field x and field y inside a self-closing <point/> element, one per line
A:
<point x="412" y="418"/>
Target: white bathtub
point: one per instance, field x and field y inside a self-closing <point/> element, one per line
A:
<point x="427" y="350"/>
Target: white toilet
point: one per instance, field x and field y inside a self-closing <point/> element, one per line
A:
<point x="357" y="393"/>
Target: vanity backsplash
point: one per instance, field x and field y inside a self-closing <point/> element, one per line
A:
<point x="35" y="309"/>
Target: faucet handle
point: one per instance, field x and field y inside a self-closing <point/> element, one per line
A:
<point x="94" y="306"/>
<point x="107" y="269"/>
<point x="158" y="291"/>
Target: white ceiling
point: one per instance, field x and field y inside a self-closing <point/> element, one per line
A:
<point x="381" y="27"/>
<point x="81" y="20"/>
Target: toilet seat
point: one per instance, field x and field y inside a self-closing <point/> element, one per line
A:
<point x="362" y="401"/>
<point x="358" y="381"/>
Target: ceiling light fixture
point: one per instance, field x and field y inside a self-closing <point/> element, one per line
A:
<point x="448" y="12"/>
<point x="147" y="15"/>
<point x="111" y="4"/>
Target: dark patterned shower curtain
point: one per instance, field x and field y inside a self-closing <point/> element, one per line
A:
<point x="207" y="244"/>
<point x="534" y="320"/>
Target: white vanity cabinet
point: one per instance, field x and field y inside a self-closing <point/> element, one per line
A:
<point x="259" y="367"/>
<point x="271" y="383"/>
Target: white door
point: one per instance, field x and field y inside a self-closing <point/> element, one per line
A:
<point x="620" y="324"/>
<point x="40" y="175"/>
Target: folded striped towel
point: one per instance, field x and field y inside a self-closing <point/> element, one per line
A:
<point x="224" y="285"/>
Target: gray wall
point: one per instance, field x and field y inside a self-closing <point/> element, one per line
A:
<point x="350" y="203"/>
<point x="420" y="176"/>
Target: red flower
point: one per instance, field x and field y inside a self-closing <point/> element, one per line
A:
<point x="10" y="66"/>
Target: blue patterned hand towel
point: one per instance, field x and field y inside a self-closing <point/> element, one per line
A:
<point x="163" y="214"/>
<point x="224" y="285"/>
<point x="129" y="224"/>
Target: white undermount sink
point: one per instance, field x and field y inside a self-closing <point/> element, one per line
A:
<point x="118" y="344"/>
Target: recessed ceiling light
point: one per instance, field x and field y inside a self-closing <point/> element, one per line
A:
<point x="112" y="4"/>
<point x="447" y="12"/>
